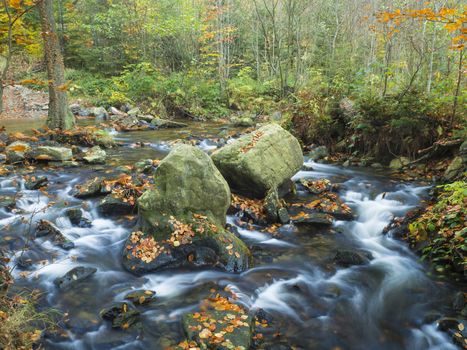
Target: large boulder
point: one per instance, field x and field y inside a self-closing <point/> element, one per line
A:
<point x="259" y="161"/>
<point x="182" y="219"/>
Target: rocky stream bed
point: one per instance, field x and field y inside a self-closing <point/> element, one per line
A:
<point x="302" y="269"/>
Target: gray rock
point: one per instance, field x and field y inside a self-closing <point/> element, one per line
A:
<point x="347" y="258"/>
<point x="399" y="163"/>
<point x="134" y="112"/>
<point x="113" y="206"/>
<point x="166" y="123"/>
<point x="99" y="113"/>
<point x="121" y="314"/>
<point x="92" y="188"/>
<point x="456" y="168"/>
<point x="16" y="152"/>
<point x="36" y="183"/>
<point x="318" y="153"/>
<point x="95" y="155"/>
<point x="74" y="276"/>
<point x="49" y="153"/>
<point x="260" y="161"/>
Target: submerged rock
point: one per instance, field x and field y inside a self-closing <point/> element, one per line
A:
<point x="183" y="218"/>
<point x="74" y="276"/>
<point x="34" y="183"/>
<point x="46" y="228"/>
<point x="347" y="258"/>
<point x="140" y="297"/>
<point x="121" y="314"/>
<point x="95" y="155"/>
<point x="260" y="161"/>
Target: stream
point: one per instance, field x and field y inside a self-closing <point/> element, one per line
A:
<point x="390" y="303"/>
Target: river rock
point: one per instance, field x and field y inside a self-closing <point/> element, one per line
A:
<point x="347" y="258"/>
<point x="95" y="155"/>
<point x="187" y="183"/>
<point x="114" y="206"/>
<point x="243" y="122"/>
<point x="145" y="166"/>
<point x="121" y="314"/>
<point x="231" y="323"/>
<point x="166" y="123"/>
<point x="91" y="188"/>
<point x="183" y="218"/>
<point x="47" y="228"/>
<point x="260" y="161"/>
<point x="456" y="168"/>
<point x="16" y="151"/>
<point x="318" y="153"/>
<point x="75" y="215"/>
<point x="74" y="276"/>
<point x="310" y="218"/>
<point x="34" y="183"/>
<point x="456" y="328"/>
<point x="99" y="113"/>
<point x="399" y="163"/>
<point x="134" y="112"/>
<point x="140" y="297"/>
<point x="50" y="153"/>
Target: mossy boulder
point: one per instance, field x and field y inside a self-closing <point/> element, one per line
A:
<point x="186" y="183"/>
<point x="260" y="161"/>
<point x="182" y="219"/>
<point x="221" y="325"/>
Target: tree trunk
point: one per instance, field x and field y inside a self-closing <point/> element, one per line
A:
<point x="59" y="116"/>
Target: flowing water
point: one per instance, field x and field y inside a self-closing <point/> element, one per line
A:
<point x="391" y="303"/>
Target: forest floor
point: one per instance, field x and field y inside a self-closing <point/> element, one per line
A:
<point x="21" y="102"/>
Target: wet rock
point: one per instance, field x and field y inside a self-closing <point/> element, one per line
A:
<point x="191" y="195"/>
<point x="283" y="216"/>
<point x="74" y="276"/>
<point x="122" y="315"/>
<point x="92" y="188"/>
<point x="376" y="165"/>
<point x="95" y="155"/>
<point x="399" y="163"/>
<point x="114" y="206"/>
<point x="318" y="153"/>
<point x="456" y="328"/>
<point x="141" y="297"/>
<point x="147" y="118"/>
<point x="50" y="153"/>
<point x="99" y="113"/>
<point x="347" y="258"/>
<point x="16" y="152"/>
<point x="76" y="218"/>
<point x="311" y="218"/>
<point x="46" y="228"/>
<point x="66" y="164"/>
<point x="166" y="123"/>
<point x="116" y="111"/>
<point x="459" y="301"/>
<point x="233" y="326"/>
<point x="8" y="203"/>
<point x="144" y="166"/>
<point x="259" y="161"/>
<point x="34" y="183"/>
<point x="317" y="186"/>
